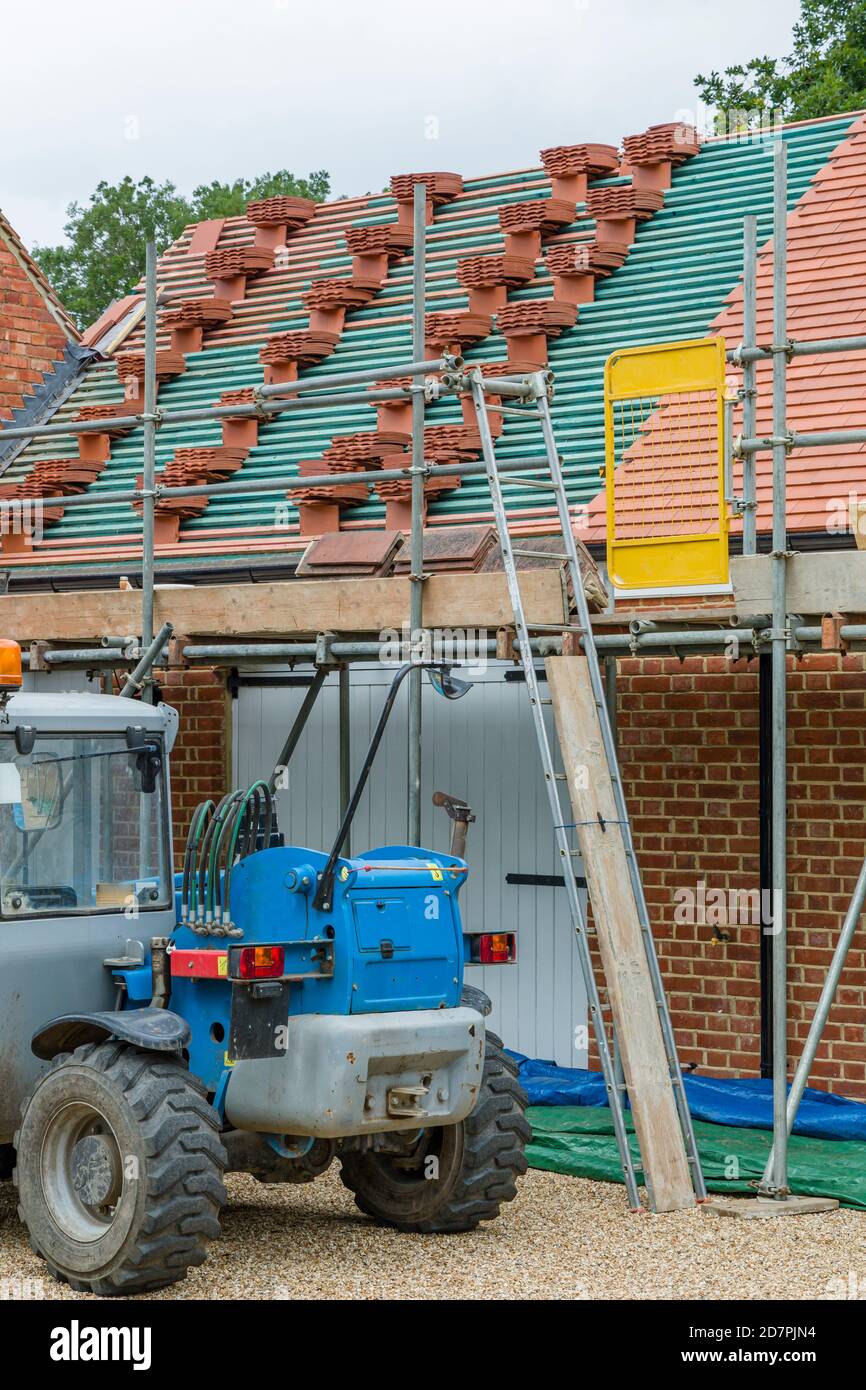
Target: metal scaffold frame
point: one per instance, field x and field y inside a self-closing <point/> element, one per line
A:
<point x="778" y="632"/>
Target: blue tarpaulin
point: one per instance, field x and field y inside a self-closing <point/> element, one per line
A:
<point x="746" y="1102"/>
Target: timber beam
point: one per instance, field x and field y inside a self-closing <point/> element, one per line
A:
<point x="285" y="610"/>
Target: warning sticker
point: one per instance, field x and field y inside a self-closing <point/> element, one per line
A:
<point x="435" y="873"/>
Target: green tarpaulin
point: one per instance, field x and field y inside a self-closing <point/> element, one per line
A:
<point x="579" y="1140"/>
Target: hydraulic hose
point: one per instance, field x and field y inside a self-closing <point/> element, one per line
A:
<point x="219" y="837"/>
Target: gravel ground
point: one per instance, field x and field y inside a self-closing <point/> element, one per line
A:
<point x="562" y="1238"/>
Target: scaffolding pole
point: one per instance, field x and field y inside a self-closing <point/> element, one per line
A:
<point x="416" y="538"/>
<point x="778" y="1183"/>
<point x="148" y="509"/>
<point x="750" y="392"/>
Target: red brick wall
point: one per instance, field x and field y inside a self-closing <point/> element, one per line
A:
<point x="688" y="735"/>
<point x="201" y="760"/>
<point x="31" y="340"/>
<point x="689" y="751"/>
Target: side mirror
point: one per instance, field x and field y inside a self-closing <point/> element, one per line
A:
<point x="41" y="796"/>
<point x="149" y="763"/>
<point x="444" y="682"/>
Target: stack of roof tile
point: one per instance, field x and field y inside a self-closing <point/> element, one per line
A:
<point x="442" y="444"/>
<point x="396" y="493"/>
<point x="284" y="352"/>
<point x="393" y="415"/>
<point x="189" y="319"/>
<point x="189" y="467"/>
<point x="196" y="313"/>
<point x="452" y="330"/>
<point x="617" y="210"/>
<point x="229" y="268"/>
<point x="651" y="156"/>
<point x="130" y="370"/>
<point x="527" y="326"/>
<point x="349" y="453"/>
<point x="441" y="188"/>
<point x="671" y="143"/>
<point x="368" y="553"/>
<point x="373" y="248"/>
<point x="449" y="548"/>
<point x="283" y="211"/>
<point x="488" y="279"/>
<point x="240" y="431"/>
<point x="214" y="463"/>
<point x="525" y="224"/>
<point x="328" y="300"/>
<point x="94" y="446"/>
<point x="54" y="477"/>
<point x="576" y="265"/>
<point x="319" y="507"/>
<point x="109" y="412"/>
<point x="570" y="166"/>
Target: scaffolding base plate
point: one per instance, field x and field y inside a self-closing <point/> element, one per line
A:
<point x="764" y="1208"/>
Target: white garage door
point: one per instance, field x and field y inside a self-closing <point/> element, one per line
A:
<point x="481" y="748"/>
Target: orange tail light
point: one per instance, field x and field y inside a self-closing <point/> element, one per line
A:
<point x="10" y="665"/>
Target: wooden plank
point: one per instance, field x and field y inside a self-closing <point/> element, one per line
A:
<point x="819" y="581"/>
<point x="294" y="608"/>
<point x="626" y="972"/>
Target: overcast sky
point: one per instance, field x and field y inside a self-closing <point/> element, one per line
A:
<point x="194" y="90"/>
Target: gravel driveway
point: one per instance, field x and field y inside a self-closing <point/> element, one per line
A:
<point x="562" y="1238"/>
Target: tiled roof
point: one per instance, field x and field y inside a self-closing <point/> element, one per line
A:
<point x="683" y="262"/>
<point x="826" y="299"/>
<point x="34" y="327"/>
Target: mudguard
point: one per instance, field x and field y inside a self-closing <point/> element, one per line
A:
<point x="473" y="998"/>
<point x="155" y="1030"/>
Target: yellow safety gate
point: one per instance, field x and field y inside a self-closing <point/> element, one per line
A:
<point x="667" y="519"/>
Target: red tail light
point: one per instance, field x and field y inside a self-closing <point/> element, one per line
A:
<point x="494" y="948"/>
<point x="261" y="962"/>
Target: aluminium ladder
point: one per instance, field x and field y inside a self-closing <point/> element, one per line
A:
<point x="677" y="1178"/>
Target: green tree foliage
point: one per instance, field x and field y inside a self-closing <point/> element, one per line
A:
<point x="824" y="74"/>
<point x="230" y="199"/>
<point x="103" y="255"/>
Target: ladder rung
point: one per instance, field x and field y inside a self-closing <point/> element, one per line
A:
<point x="507" y="410"/>
<point x="556" y="627"/>
<point x="549" y="486"/>
<point x="539" y="554"/>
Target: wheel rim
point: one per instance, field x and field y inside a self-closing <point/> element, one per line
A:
<point x="81" y="1171"/>
<point x="408" y="1171"/>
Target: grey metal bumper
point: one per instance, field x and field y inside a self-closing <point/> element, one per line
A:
<point x="364" y="1073"/>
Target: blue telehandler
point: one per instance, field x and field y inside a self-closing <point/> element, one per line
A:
<point x="268" y="1009"/>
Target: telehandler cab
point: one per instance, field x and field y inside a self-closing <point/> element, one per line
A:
<point x="268" y="1009"/>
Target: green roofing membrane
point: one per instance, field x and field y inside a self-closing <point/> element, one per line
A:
<point x="682" y="266"/>
<point x="579" y="1140"/>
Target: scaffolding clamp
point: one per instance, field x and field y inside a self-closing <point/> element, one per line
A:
<point x="786" y="349"/>
<point x="433" y="389"/>
<point x="260" y="404"/>
<point x="795" y="620"/>
<point x="324" y="656"/>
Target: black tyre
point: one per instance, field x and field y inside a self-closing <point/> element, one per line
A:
<point x="119" y="1170"/>
<point x="477" y="1162"/>
<point x="7" y="1162"/>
